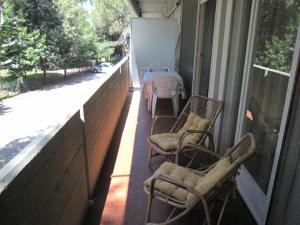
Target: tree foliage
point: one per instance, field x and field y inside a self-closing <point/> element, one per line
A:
<point x="20" y="48"/>
<point x="79" y="34"/>
<point x="60" y="33"/>
<point x="111" y="18"/>
<point x="277" y="33"/>
<point x="42" y="15"/>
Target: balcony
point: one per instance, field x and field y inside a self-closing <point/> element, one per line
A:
<point x="59" y="173"/>
<point x="90" y="168"/>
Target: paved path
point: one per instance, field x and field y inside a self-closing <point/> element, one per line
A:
<point x="24" y="116"/>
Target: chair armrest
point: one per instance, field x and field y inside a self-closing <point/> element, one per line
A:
<point x="200" y="148"/>
<point x="168" y="124"/>
<point x="208" y="134"/>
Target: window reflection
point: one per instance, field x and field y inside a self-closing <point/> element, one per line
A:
<point x="275" y="39"/>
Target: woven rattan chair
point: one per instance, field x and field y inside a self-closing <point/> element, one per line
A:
<point x="184" y="189"/>
<point x="206" y="110"/>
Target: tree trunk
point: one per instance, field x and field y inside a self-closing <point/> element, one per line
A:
<point x="65" y="73"/>
<point x="44" y="76"/>
<point x="20" y="85"/>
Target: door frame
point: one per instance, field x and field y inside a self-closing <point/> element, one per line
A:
<point x="198" y="47"/>
<point x="220" y="56"/>
<point x="256" y="200"/>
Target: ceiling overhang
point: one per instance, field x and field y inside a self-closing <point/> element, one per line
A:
<point x="153" y="8"/>
<point x="135" y="5"/>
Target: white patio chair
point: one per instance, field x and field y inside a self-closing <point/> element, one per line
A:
<point x="164" y="88"/>
<point x="158" y="68"/>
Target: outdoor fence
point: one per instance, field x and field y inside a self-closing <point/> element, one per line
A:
<point x="49" y="182"/>
<point x="52" y="76"/>
<point x="8" y="85"/>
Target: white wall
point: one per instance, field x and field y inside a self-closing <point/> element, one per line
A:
<point x="153" y="41"/>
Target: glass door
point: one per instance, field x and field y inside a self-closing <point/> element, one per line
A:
<point x="266" y="90"/>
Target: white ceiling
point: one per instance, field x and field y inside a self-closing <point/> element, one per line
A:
<point x="153" y="8"/>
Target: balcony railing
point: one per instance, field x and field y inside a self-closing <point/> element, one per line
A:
<point x="267" y="70"/>
<point x="50" y="181"/>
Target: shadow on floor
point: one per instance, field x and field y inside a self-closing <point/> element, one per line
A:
<point x="4" y="109"/>
<point x="10" y="150"/>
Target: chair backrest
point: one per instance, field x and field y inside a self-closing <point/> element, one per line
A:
<point x="238" y="154"/>
<point x="204" y="107"/>
<point x="242" y="150"/>
<point x="164" y="87"/>
<point x="158" y="68"/>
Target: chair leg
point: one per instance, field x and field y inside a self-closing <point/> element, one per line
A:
<point x="154" y="100"/>
<point x="150" y="198"/>
<point x="149" y="155"/>
<point x="177" y="102"/>
<point x="207" y="213"/>
<point x="149" y="102"/>
<point x="174" y="106"/>
<point x="169" y="220"/>
<point x="148" y="209"/>
<point x="175" y="218"/>
<point x="210" y="210"/>
<point x="171" y="214"/>
<point x="223" y="208"/>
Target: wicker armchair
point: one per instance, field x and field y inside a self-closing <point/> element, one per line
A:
<point x="204" y="111"/>
<point x="183" y="188"/>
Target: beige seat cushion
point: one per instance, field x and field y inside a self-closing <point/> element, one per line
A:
<point x="166" y="141"/>
<point x="194" y="122"/>
<point x="201" y="183"/>
<point x="169" y="141"/>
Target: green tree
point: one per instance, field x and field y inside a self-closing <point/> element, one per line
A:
<point x="105" y="50"/>
<point x="61" y="33"/>
<point x="277" y="33"/>
<point x="43" y="15"/>
<point x="277" y="53"/>
<point x="80" y="34"/>
<point x="20" y="48"/>
<point x="111" y="19"/>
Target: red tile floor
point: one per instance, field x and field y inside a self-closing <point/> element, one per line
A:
<point x="119" y="197"/>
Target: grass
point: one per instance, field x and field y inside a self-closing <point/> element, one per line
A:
<point x="34" y="80"/>
<point x="7" y="94"/>
<point x="33" y="75"/>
